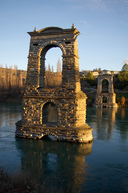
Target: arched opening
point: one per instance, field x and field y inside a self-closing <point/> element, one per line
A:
<point x="49" y="113"/>
<point x="104" y="99"/>
<point x="105" y="86"/>
<point x="51" y="66"/>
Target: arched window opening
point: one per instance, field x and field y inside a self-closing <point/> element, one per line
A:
<point x="51" y="66"/>
<point x="49" y="113"/>
<point x="105" y="86"/>
<point x="104" y="99"/>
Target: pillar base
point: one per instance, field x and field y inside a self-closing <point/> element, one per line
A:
<point x="107" y="105"/>
<point x="81" y="134"/>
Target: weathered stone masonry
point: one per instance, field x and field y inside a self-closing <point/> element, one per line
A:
<point x="68" y="99"/>
<point x="110" y="95"/>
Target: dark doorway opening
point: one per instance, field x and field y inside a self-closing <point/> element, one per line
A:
<point x="49" y="113"/>
<point x="104" y="99"/>
<point x="105" y="86"/>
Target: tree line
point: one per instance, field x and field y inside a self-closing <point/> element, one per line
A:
<point x="12" y="81"/>
<point x="53" y="79"/>
<point x="120" y="80"/>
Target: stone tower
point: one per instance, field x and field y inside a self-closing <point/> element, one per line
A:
<point x="58" y="111"/>
<point x="105" y="98"/>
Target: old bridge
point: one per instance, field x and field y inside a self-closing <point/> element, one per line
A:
<point x="59" y="111"/>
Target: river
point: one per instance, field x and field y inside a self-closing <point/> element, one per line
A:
<point x="101" y="166"/>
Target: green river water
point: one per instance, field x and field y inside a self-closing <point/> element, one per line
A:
<point x="101" y="166"/>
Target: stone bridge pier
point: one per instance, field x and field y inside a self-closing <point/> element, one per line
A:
<point x="105" y="96"/>
<point x="58" y="111"/>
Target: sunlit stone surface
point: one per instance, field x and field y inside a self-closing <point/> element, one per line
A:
<point x="105" y="97"/>
<point x="58" y="111"/>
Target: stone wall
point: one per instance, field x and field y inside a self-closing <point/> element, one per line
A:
<point x="69" y="100"/>
<point x="110" y="95"/>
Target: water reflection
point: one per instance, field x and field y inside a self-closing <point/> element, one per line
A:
<point x="71" y="166"/>
<point x="9" y="114"/>
<point x="105" y="122"/>
<point x="122" y="125"/>
<point x="54" y="161"/>
<point x="122" y="113"/>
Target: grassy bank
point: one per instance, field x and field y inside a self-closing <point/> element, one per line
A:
<point x="16" y="183"/>
<point x="26" y="183"/>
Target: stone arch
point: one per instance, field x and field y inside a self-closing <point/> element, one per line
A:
<point x="105" y="97"/>
<point x="69" y="101"/>
<point x="52" y="101"/>
<point x="55" y="43"/>
<point x="49" y="112"/>
<point x="42" y="53"/>
<point x="105" y="85"/>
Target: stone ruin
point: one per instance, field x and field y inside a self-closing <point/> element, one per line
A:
<point x="60" y="111"/>
<point x="106" y="97"/>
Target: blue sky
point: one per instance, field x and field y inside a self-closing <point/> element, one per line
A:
<point x="103" y="24"/>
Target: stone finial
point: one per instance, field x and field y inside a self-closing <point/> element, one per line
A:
<point x="35" y="30"/>
<point x="73" y="26"/>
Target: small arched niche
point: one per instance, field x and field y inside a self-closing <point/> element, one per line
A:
<point x="105" y="86"/>
<point x="51" y="66"/>
<point x="104" y="99"/>
<point x="49" y="113"/>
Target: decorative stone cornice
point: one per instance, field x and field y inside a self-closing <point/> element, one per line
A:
<point x="54" y="30"/>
